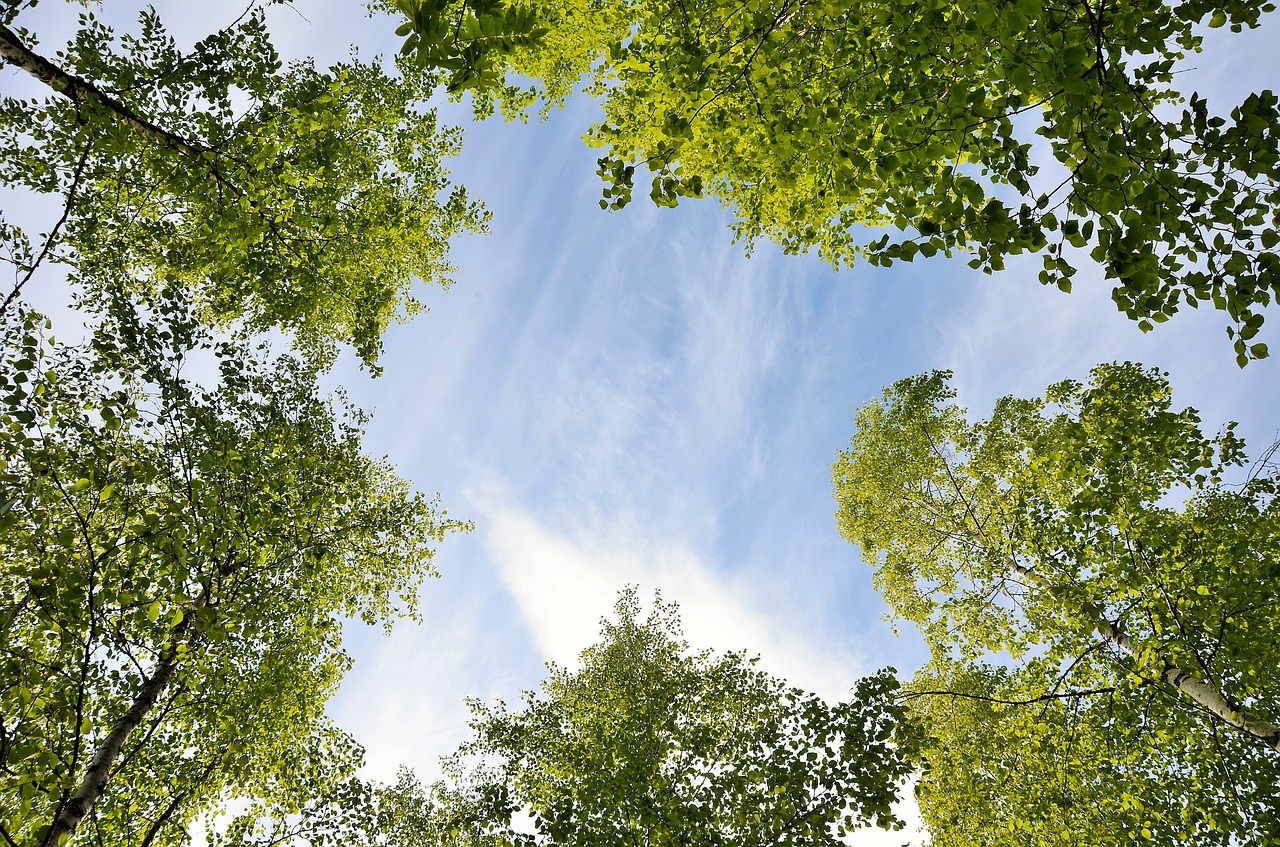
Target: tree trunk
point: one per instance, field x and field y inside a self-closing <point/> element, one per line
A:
<point x="78" y="90"/>
<point x="99" y="772"/>
<point x="1201" y="693"/>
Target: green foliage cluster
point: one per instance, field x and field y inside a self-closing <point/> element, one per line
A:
<point x="176" y="563"/>
<point x="1101" y="657"/>
<point x="469" y="39"/>
<point x="650" y="743"/>
<point x="287" y="196"/>
<point x="1009" y="767"/>
<point x="814" y="120"/>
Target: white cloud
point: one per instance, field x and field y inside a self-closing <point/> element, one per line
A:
<point x="564" y="581"/>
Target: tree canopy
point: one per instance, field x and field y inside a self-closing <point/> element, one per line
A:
<point x="650" y="743"/>
<point x="179" y="553"/>
<point x="289" y="196"/>
<point x="176" y="563"/>
<point x="1103" y="660"/>
<point x="814" y="121"/>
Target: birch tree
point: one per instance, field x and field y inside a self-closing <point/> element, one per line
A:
<point x="176" y="564"/>
<point x="1093" y="645"/>
<point x="290" y="196"/>
<point x="650" y="743"/>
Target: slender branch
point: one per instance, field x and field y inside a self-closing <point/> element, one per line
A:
<point x="1188" y="684"/>
<point x="778" y="21"/>
<point x="53" y="233"/>
<point x="1058" y="695"/>
<point x="83" y="92"/>
<point x="95" y="779"/>
<point x="1264" y="463"/>
<point x="175" y="803"/>
<point x="1225" y="761"/>
<point x="1203" y="695"/>
<point x="1062" y="677"/>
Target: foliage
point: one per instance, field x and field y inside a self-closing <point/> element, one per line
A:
<point x="649" y="743"/>
<point x="1099" y="655"/>
<point x="468" y="39"/>
<point x="176" y="563"/>
<point x="1115" y="763"/>
<point x="813" y="119"/>
<point x="295" y="197"/>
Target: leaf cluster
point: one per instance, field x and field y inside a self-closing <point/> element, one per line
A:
<point x="470" y="38"/>
<point x="286" y="196"/>
<point x="648" y="742"/>
<point x="813" y="121"/>
<point x="1108" y="764"/>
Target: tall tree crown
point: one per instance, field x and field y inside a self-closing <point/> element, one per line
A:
<point x="285" y="196"/>
<point x="176" y="565"/>
<point x="814" y="121"/>
<point x="648" y="741"/>
<point x="1099" y="654"/>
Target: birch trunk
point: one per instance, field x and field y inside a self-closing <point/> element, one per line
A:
<point x="98" y="773"/>
<point x="1200" y="692"/>
<point x="78" y="90"/>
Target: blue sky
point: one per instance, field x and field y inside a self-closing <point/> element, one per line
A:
<point x="625" y="397"/>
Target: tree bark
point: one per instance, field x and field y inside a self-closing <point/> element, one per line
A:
<point x="73" y="813"/>
<point x="1201" y="693"/>
<point x="81" y="91"/>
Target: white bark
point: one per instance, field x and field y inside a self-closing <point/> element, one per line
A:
<point x="78" y="90"/>
<point x="1197" y="690"/>
<point x="98" y="773"/>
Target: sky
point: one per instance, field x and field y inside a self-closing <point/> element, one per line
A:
<point x="627" y="398"/>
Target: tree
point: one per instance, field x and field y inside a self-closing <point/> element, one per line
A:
<point x="649" y="743"/>
<point x="1099" y="655"/>
<point x="176" y="565"/>
<point x="813" y="120"/>
<point x="289" y="196"/>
